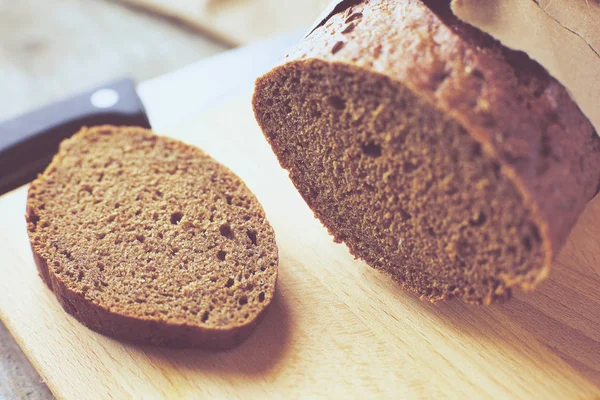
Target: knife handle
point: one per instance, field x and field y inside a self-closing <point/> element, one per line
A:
<point x="28" y="142"/>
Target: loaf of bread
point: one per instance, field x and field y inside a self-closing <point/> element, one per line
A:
<point x="148" y="239"/>
<point x="454" y="164"/>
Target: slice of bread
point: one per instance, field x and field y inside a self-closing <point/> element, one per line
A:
<point x="456" y="165"/>
<point x="150" y="240"/>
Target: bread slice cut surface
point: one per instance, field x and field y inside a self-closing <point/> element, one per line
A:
<point x="150" y="240"/>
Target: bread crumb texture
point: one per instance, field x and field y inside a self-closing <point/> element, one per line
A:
<point x="436" y="154"/>
<point x="148" y="239"/>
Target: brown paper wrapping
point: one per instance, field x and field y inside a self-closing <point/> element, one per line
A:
<point x="559" y="34"/>
<point x="562" y="35"/>
<point x="580" y="16"/>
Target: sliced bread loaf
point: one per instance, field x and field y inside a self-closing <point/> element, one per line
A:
<point x="436" y="154"/>
<point x="148" y="239"/>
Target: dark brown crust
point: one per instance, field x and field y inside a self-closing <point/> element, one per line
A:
<point x="130" y="328"/>
<point x="139" y="331"/>
<point x="523" y="118"/>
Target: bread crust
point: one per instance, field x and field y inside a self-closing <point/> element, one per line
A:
<point x="138" y="331"/>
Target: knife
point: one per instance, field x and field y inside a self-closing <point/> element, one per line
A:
<point x="28" y="142"/>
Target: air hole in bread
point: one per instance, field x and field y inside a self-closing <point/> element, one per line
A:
<point x="226" y="231"/>
<point x="337" y="102"/>
<point x="176" y="217"/>
<point x="251" y="236"/>
<point x="205" y="316"/>
<point x="229" y="283"/>
<point x="405" y="215"/>
<point x="371" y="149"/>
<point x="221" y="255"/>
<point x="33" y="218"/>
<point x="479" y="220"/>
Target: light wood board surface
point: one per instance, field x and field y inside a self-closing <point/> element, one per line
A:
<point x="238" y="22"/>
<point x="336" y="329"/>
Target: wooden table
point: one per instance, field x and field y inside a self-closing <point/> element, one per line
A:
<point x="51" y="49"/>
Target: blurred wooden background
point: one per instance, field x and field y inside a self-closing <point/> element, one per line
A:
<point x="53" y="49"/>
<point x="239" y="21"/>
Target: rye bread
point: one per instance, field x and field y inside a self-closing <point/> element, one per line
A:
<point x="436" y="154"/>
<point x="150" y="240"/>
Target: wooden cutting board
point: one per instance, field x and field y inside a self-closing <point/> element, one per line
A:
<point x="336" y="329"/>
